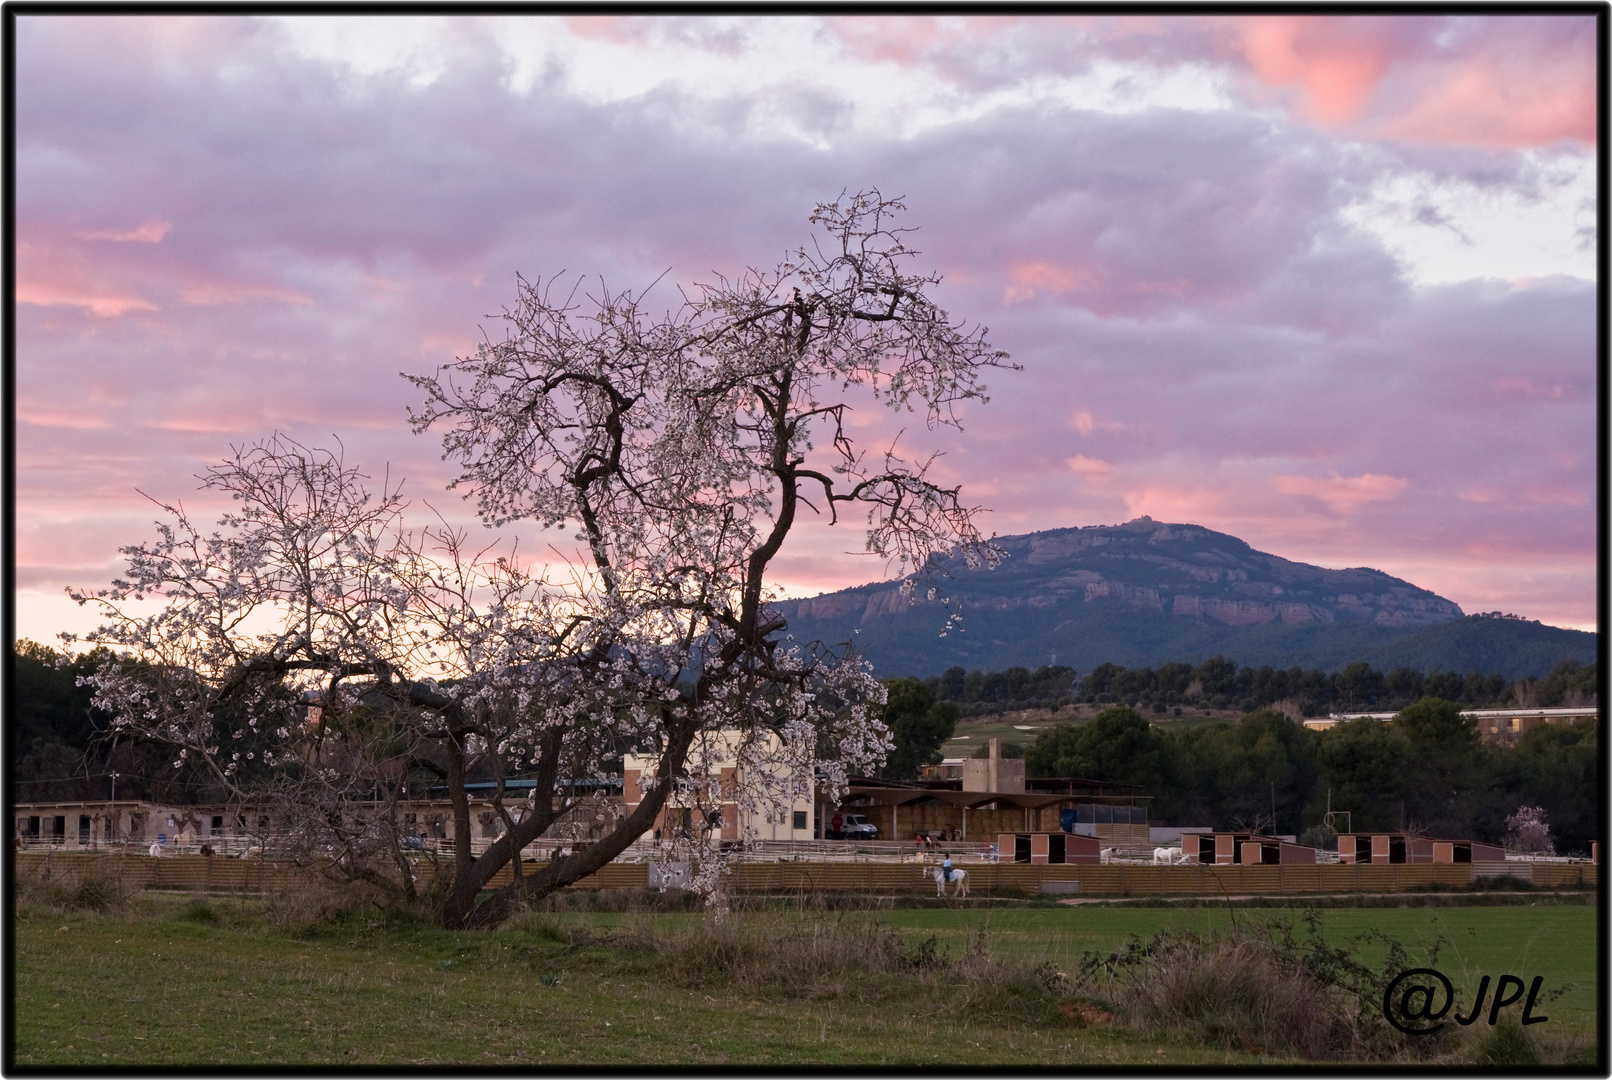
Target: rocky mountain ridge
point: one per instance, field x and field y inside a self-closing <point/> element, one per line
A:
<point x="1138" y="593"/>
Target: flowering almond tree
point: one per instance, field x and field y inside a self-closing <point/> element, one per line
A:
<point x="679" y="450"/>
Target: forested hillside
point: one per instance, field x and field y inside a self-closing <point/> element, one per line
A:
<point x="1218" y="683"/>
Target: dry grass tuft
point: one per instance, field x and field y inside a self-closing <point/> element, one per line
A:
<point x="1260" y="989"/>
<point x="89" y="890"/>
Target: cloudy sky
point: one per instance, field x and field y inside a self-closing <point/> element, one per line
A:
<point x="1327" y="284"/>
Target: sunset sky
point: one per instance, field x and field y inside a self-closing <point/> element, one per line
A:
<point x="1327" y="284"/>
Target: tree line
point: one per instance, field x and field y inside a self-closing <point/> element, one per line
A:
<point x="1427" y="771"/>
<point x="1219" y="683"/>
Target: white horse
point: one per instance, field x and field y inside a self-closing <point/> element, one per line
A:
<point x="1166" y="856"/>
<point x="959" y="880"/>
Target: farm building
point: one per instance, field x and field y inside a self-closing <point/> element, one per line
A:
<point x="985" y="797"/>
<point x="1058" y="847"/>
<point x="1223" y="849"/>
<point x="716" y="808"/>
<point x="93" y="825"/>
<point x="78" y="824"/>
<point x="938" y="808"/>
<point x="1400" y="848"/>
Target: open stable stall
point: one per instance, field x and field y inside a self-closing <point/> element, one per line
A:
<point x="1048" y="848"/>
<point x="1237" y="849"/>
<point x="1465" y="851"/>
<point x="1390" y="848"/>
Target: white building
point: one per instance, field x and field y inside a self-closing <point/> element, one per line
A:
<point x="719" y="794"/>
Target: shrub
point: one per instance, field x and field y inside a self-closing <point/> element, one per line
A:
<point x="1260" y="990"/>
<point x="821" y="957"/>
<point x="93" y="890"/>
<point x="1506" y="1044"/>
<point x="316" y="905"/>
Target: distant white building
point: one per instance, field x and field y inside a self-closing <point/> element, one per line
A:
<point x="1494" y="725"/>
<point x="718" y="794"/>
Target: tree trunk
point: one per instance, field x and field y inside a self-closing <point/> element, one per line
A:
<point x="460" y="909"/>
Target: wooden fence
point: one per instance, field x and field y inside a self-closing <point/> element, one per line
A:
<point x="255" y="875"/>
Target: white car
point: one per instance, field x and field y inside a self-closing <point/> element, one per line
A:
<point x="851" y="827"/>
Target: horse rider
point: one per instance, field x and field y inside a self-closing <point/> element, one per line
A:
<point x="946" y="867"/>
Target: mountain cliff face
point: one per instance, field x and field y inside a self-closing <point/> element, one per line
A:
<point x="1139" y="593"/>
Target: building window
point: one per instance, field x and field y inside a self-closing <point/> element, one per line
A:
<point x="83" y="829"/>
<point x="800" y="819"/>
<point x="217" y="827"/>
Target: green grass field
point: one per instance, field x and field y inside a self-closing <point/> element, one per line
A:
<point x="177" y="982"/>
<point x="1558" y="942"/>
<point x="973" y="732"/>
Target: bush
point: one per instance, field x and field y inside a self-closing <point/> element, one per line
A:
<point x="816" y="957"/>
<point x="1259" y="990"/>
<point x="1506" y="1044"/>
<point x="92" y="891"/>
<point x="317" y="906"/>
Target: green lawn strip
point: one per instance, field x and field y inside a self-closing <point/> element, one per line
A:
<point x="163" y="990"/>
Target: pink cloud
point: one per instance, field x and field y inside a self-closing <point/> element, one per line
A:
<point x="1085" y="423"/>
<point x="72" y="294"/>
<point x="1089" y="467"/>
<point x="1521" y="386"/>
<point x="909" y="39"/>
<point x="1028" y="279"/>
<point x="1344" y="493"/>
<point x="223" y="292"/>
<point x="1203" y="342"/>
<point x="620" y="29"/>
<point x="1337" y="71"/>
<point x="1428" y="80"/>
<point x="1496" y="81"/>
<point x="1104" y="290"/>
<point x="149" y="233"/>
